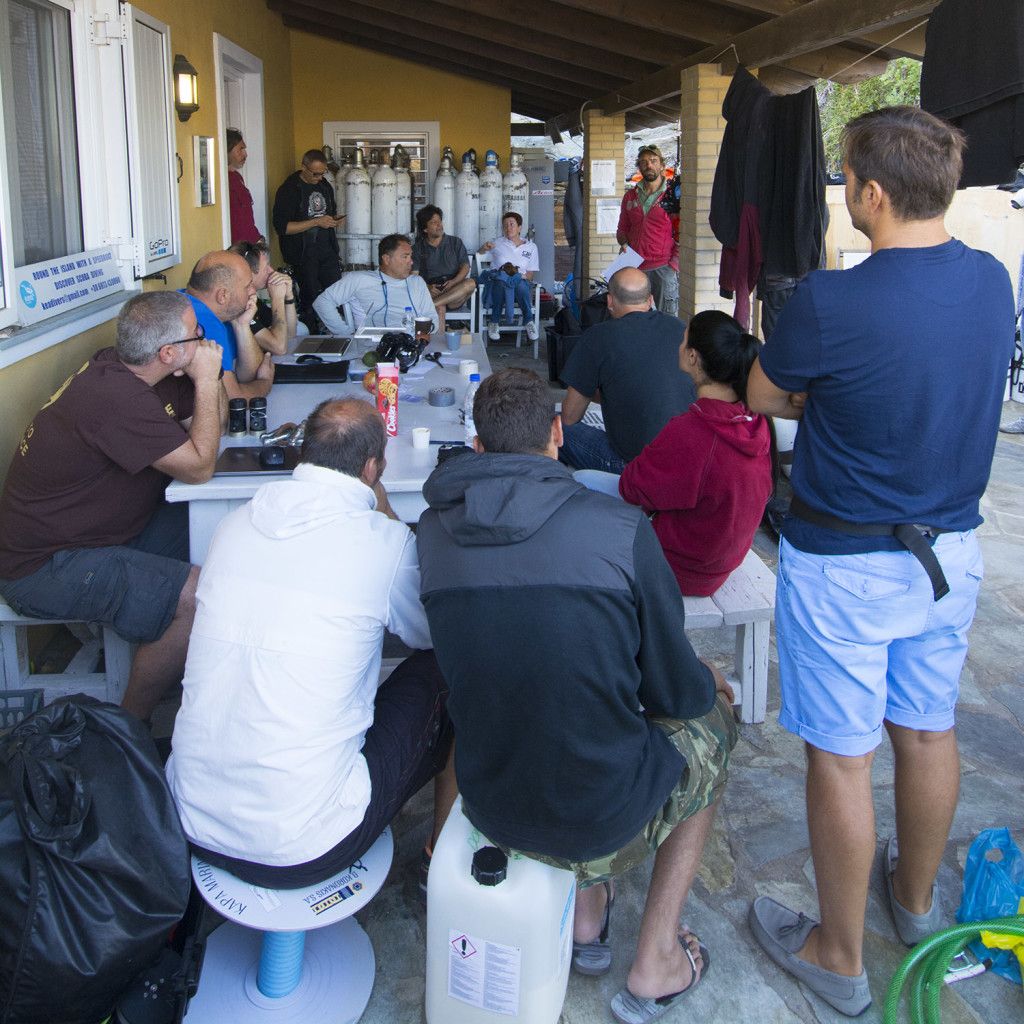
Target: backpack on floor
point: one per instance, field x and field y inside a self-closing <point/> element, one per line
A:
<point x="94" y="866"/>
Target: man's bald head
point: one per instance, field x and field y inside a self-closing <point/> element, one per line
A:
<point x="223" y="281"/>
<point x="343" y="434"/>
<point x="629" y="291"/>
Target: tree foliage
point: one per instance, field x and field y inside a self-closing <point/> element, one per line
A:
<point x="898" y="85"/>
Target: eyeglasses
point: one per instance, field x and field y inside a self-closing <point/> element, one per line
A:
<point x="198" y="336"/>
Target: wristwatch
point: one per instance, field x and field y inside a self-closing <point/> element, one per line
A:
<point x="289" y="302"/>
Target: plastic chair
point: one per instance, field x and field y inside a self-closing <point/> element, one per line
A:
<point x="289" y="954"/>
<point x="482" y="262"/>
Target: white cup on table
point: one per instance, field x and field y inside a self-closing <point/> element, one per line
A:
<point x="421" y="437"/>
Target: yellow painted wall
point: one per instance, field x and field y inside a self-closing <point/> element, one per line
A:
<point x="333" y="81"/>
<point x="28" y="383"/>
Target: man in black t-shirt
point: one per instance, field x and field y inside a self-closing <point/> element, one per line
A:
<point x="85" y="535"/>
<point x="305" y="219"/>
<point x="630" y="364"/>
<point x="442" y="261"/>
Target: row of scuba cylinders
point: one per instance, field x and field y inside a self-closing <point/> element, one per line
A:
<point x="376" y="197"/>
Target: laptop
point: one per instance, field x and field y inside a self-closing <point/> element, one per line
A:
<point x="323" y="345"/>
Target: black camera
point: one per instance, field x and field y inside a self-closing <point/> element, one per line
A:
<point x="399" y="347"/>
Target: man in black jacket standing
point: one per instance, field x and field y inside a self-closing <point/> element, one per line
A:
<point x="305" y="221"/>
<point x="600" y="738"/>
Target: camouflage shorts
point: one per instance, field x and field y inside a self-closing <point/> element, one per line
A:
<point x="706" y="744"/>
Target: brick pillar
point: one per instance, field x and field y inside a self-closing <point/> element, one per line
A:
<point x="703" y="88"/>
<point x="604" y="138"/>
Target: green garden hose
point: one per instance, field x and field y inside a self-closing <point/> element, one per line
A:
<point x="924" y="970"/>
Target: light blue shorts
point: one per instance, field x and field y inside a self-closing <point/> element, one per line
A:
<point x="862" y="641"/>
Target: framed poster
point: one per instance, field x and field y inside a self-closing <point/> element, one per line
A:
<point x="202" y="162"/>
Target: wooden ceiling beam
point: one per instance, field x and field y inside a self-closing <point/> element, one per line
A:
<point x="465" y="43"/>
<point x="505" y="36"/>
<point x="539" y="101"/>
<point x="816" y="25"/>
<point x="458" y="50"/>
<point x="679" y="22"/>
<point x="626" y="38"/>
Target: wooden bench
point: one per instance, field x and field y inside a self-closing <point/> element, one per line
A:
<point x="745" y="600"/>
<point x="80" y="676"/>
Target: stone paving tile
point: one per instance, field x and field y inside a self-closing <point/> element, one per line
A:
<point x="759" y="844"/>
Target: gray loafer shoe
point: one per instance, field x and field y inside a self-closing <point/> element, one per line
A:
<point x="911" y="928"/>
<point x="782" y="934"/>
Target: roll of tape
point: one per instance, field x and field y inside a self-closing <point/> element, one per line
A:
<point x="441" y="396"/>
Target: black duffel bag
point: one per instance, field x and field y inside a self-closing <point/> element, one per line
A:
<point x="94" y="866"/>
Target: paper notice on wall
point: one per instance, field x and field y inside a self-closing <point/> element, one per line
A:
<point x="602" y="178"/>
<point x="483" y="974"/>
<point x="607" y="216"/>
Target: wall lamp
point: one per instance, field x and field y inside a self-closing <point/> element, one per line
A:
<point x="186" y="88"/>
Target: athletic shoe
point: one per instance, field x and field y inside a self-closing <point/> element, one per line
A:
<point x="493" y="334"/>
<point x="531" y="331"/>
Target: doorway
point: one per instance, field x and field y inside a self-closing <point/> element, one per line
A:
<point x="239" y="78"/>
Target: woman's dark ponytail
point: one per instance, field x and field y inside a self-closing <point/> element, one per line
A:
<point x="726" y="351"/>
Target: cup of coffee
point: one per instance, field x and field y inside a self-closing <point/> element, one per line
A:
<point x="421" y="437"/>
<point x="454" y="340"/>
<point x="424" y="327"/>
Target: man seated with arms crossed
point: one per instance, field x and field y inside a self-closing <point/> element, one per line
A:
<point x="223" y="296"/>
<point x="289" y="759"/>
<point x="442" y="261"/>
<point x="378" y="297"/>
<point x="603" y="738"/>
<point x="630" y="364"/>
<point x="84" y="531"/>
<point x="274" y="324"/>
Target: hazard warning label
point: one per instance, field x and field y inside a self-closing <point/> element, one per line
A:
<point x="483" y="974"/>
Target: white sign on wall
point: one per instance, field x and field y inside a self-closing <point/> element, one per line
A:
<point x="53" y="286"/>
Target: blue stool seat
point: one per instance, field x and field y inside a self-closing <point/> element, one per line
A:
<point x="290" y="955"/>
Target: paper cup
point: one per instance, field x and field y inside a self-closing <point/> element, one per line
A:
<point x="454" y="340"/>
<point x="468" y="367"/>
<point x="421" y="437"/>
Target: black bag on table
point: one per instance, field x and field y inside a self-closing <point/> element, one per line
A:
<point x="94" y="866"/>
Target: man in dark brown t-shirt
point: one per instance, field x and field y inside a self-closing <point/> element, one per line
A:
<point x="84" y="531"/>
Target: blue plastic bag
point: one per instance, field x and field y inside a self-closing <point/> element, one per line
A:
<point x="993" y="887"/>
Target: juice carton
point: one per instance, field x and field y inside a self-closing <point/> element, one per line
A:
<point x="387" y="396"/>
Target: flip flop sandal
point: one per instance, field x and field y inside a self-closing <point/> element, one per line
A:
<point x="595" y="958"/>
<point x="630" y="1009"/>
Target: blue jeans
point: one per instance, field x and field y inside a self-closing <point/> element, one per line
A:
<point x="504" y="291"/>
<point x="586" y="447"/>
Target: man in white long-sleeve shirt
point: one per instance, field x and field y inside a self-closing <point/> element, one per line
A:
<point x="289" y="760"/>
<point x="378" y="298"/>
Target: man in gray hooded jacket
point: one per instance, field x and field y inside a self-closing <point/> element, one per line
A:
<point x="599" y="736"/>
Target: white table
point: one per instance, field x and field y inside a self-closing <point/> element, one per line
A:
<point x="407" y="467"/>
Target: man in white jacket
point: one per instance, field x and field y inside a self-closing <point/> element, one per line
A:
<point x="288" y="758"/>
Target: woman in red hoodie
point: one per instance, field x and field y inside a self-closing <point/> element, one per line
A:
<point x="705" y="479"/>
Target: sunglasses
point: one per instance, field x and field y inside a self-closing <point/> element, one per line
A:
<point x="195" y="337"/>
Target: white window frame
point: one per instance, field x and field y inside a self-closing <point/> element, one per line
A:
<point x="97" y="37"/>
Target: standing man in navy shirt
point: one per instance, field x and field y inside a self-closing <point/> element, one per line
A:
<point x="879" y="567"/>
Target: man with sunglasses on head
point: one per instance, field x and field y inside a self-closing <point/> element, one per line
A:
<point x="85" y="534"/>
<point x="306" y="221"/>
<point x="273" y="323"/>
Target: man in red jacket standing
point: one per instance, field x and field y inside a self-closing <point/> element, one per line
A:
<point x="645" y="225"/>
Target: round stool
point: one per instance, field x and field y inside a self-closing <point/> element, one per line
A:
<point x="289" y="955"/>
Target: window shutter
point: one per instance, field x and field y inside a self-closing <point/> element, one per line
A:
<point x="151" y="143"/>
